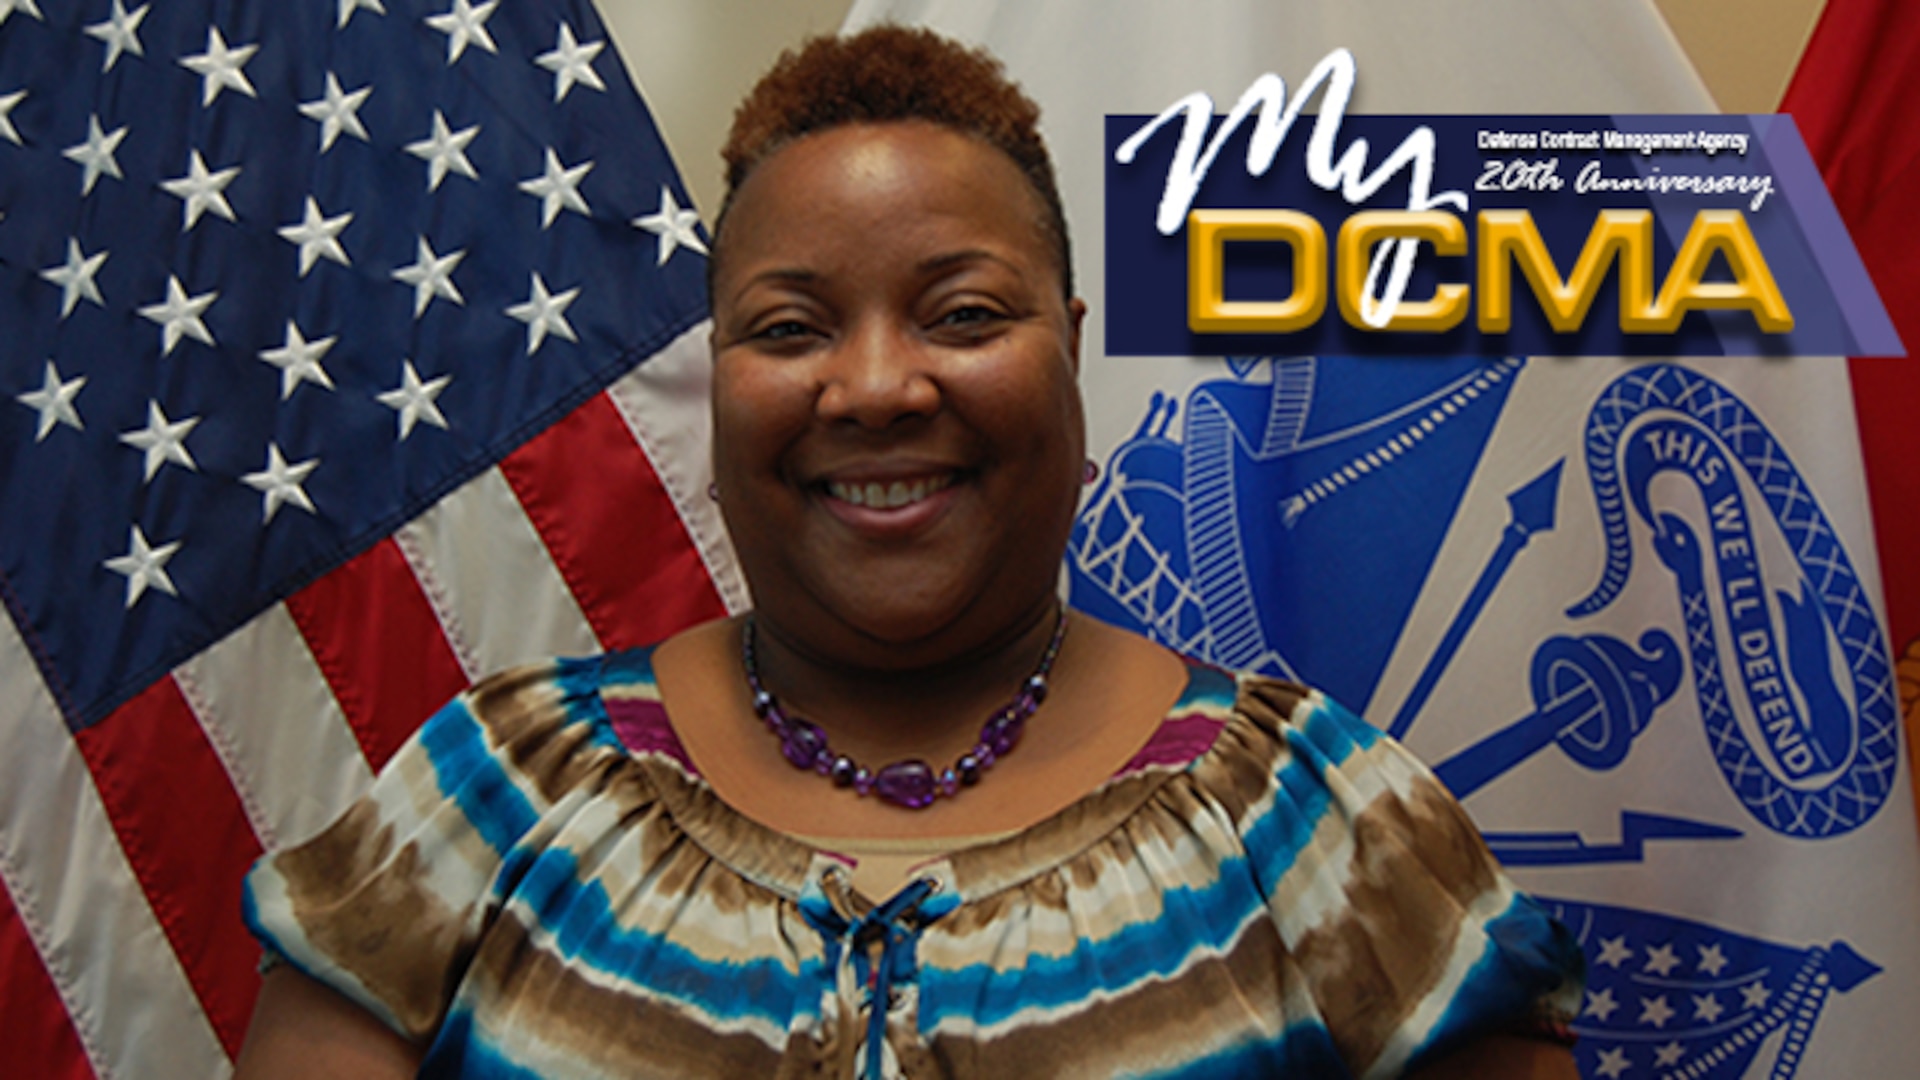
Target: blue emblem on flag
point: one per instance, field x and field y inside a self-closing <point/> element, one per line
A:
<point x="1667" y="997"/>
<point x="1792" y="676"/>
<point x="1320" y="488"/>
<point x="1289" y="522"/>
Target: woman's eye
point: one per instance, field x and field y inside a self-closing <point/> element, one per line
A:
<point x="970" y="316"/>
<point x="785" y="330"/>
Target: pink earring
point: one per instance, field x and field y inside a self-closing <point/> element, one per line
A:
<point x="1090" y="472"/>
<point x="713" y="491"/>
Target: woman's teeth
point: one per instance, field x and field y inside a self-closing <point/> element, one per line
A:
<point x="888" y="496"/>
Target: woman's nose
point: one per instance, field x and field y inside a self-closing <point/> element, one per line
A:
<point x="877" y="374"/>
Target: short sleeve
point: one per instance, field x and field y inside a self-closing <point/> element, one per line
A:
<point x="1409" y="937"/>
<point x="386" y="904"/>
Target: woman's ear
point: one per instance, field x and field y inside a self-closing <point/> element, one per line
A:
<point x="1076" y="314"/>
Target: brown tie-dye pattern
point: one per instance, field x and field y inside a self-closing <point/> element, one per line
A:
<point x="517" y="985"/>
<point x="368" y="908"/>
<point x="761" y="855"/>
<point x="1411" y="880"/>
<point x="517" y="708"/>
<point x="1238" y="772"/>
<point x="985" y="870"/>
<point x="1201" y="1010"/>
<point x="683" y="865"/>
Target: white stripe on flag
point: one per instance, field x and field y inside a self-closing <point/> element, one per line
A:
<point x="269" y="714"/>
<point x="665" y="402"/>
<point x="128" y="997"/>
<point x="491" y="581"/>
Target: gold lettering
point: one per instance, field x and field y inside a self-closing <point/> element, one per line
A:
<point x="1208" y="309"/>
<point x="1509" y="236"/>
<point x="1358" y="235"/>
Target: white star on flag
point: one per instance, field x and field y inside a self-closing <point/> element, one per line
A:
<point x="1614" y="952"/>
<point x="54" y="402"/>
<point x="1712" y="961"/>
<point x="337" y="112"/>
<point x="558" y="188"/>
<point x="220" y="67"/>
<point x="431" y="275"/>
<point x="1656" y="1011"/>
<point x="279" y="483"/>
<point x="1661" y="960"/>
<point x="163" y="440"/>
<point x="465" y="24"/>
<point x="201" y="190"/>
<point x="121" y="32"/>
<point x="8" y="7"/>
<point x="144" y="566"/>
<point x="179" y="316"/>
<point x="7" y="103"/>
<point x="445" y="151"/>
<point x="1600" y="1003"/>
<point x="673" y="225"/>
<point x="348" y="7"/>
<point x="1670" y="1054"/>
<point x="413" y="401"/>
<point x="299" y="360"/>
<point x="318" y="235"/>
<point x="545" y="313"/>
<point x="1755" y="996"/>
<point x="1707" y="1007"/>
<point x="95" y="155"/>
<point x="75" y="277"/>
<point x="572" y="63"/>
<point x="1613" y="1062"/>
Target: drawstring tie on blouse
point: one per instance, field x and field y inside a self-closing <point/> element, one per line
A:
<point x="895" y="925"/>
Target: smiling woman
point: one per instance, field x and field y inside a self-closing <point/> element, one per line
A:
<point x="884" y="326"/>
<point x="908" y="817"/>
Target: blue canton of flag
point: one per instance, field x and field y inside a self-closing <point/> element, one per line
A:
<point x="275" y="276"/>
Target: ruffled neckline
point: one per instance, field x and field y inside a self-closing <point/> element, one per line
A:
<point x="1189" y="733"/>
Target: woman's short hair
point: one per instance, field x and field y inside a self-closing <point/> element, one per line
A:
<point x="890" y="73"/>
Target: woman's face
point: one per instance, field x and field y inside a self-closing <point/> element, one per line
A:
<point x="897" y="431"/>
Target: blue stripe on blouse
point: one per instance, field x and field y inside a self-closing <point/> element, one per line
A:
<point x="467" y="773"/>
<point x="586" y="931"/>
<point x="1206" y="920"/>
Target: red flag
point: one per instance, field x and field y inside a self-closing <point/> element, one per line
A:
<point x="1853" y="96"/>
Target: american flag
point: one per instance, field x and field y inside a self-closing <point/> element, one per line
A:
<point x="352" y="349"/>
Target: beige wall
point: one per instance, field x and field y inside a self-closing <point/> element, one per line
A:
<point x="695" y="58"/>
<point x="1745" y="50"/>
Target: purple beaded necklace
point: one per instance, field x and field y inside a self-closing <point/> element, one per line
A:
<point x="909" y="782"/>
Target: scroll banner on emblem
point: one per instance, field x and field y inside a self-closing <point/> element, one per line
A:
<point x="1663" y="236"/>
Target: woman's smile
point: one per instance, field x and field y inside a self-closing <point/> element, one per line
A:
<point x="889" y="495"/>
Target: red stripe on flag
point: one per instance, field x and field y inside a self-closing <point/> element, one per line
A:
<point x="589" y="489"/>
<point x="40" y="1039"/>
<point x="380" y="647"/>
<point x="187" y="838"/>
<point x="1853" y="97"/>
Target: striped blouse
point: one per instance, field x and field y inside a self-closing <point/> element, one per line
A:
<point x="541" y="885"/>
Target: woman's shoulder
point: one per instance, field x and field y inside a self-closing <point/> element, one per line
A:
<point x="487" y="783"/>
<point x="1296" y="733"/>
<point x="1301" y="775"/>
<point x="541" y="716"/>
